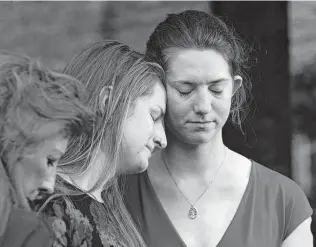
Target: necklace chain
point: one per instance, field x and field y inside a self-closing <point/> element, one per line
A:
<point x="192" y="209"/>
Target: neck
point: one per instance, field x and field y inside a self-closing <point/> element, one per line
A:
<point x="199" y="161"/>
<point x="85" y="182"/>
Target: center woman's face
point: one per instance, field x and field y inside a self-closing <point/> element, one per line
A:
<point x="199" y="91"/>
<point x="143" y="131"/>
<point x="36" y="170"/>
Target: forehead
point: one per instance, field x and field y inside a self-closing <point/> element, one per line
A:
<point x="158" y="96"/>
<point x="196" y="65"/>
<point x="56" y="144"/>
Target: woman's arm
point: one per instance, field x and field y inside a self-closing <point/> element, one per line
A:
<point x="301" y="236"/>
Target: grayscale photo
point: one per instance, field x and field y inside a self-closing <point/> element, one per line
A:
<point x="157" y="123"/>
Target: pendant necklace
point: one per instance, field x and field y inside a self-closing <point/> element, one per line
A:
<point x="192" y="214"/>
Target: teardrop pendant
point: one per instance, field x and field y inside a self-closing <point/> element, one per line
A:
<point x="192" y="213"/>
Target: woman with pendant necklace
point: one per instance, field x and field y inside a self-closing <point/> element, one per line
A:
<point x="197" y="192"/>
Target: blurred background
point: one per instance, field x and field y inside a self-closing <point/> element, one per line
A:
<point x="279" y="132"/>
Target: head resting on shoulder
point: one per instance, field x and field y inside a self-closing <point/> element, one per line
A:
<point x="115" y="78"/>
<point x="128" y="95"/>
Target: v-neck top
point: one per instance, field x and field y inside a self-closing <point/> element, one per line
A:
<point x="271" y="208"/>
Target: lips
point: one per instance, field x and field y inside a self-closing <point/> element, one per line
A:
<point x="33" y="194"/>
<point x="201" y="122"/>
<point x="38" y="195"/>
<point x="202" y="125"/>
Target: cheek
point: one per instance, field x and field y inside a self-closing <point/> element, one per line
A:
<point x="137" y="132"/>
<point x="176" y="104"/>
<point x="24" y="179"/>
<point x="222" y="109"/>
<point x="177" y="110"/>
<point x="35" y="170"/>
<point x="145" y="131"/>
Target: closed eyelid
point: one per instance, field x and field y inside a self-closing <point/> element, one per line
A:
<point x="158" y="112"/>
<point x="186" y="86"/>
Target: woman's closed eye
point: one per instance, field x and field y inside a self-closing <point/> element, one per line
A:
<point x="183" y="88"/>
<point x="51" y="162"/>
<point x="184" y="93"/>
<point x="217" y="88"/>
<point x="157" y="114"/>
<point x="155" y="118"/>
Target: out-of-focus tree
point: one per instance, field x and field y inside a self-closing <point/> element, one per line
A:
<point x="304" y="100"/>
<point x="304" y="109"/>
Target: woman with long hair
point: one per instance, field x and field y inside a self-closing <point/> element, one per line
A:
<point x="197" y="191"/>
<point x="40" y="110"/>
<point x="129" y="98"/>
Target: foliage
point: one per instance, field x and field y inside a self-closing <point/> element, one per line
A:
<point x="304" y="99"/>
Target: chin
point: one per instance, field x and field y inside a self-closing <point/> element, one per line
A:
<point x="198" y="141"/>
<point x="141" y="169"/>
<point x="142" y="166"/>
<point x="137" y="168"/>
<point x="199" y="138"/>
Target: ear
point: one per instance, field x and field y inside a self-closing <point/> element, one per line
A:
<point x="237" y="82"/>
<point x="104" y="96"/>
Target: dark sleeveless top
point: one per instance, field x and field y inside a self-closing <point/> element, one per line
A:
<point x="270" y="210"/>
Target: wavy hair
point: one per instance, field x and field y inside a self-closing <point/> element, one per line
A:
<point x="126" y="75"/>
<point x="32" y="96"/>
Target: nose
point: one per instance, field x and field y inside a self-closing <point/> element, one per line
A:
<point x="160" y="139"/>
<point x="48" y="186"/>
<point x="202" y="104"/>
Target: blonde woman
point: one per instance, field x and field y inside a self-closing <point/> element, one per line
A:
<point x="128" y="95"/>
<point x="39" y="111"/>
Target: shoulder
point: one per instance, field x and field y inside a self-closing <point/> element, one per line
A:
<point x="286" y="196"/>
<point x="276" y="181"/>
<point x="26" y="229"/>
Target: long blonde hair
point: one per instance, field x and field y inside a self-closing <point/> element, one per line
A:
<point x="127" y="76"/>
